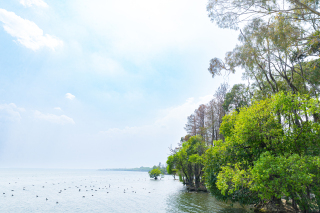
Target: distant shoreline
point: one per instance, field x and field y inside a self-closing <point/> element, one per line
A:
<point x="141" y="169"/>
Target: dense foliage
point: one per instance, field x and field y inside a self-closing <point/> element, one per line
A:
<point x="154" y="173"/>
<point x="260" y="143"/>
<point x="188" y="162"/>
<point x="271" y="151"/>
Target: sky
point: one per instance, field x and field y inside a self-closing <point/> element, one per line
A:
<point x="102" y="83"/>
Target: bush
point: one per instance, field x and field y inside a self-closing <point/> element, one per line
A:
<point x="154" y="173"/>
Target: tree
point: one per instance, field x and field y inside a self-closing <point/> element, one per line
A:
<point x="200" y="119"/>
<point x="191" y="126"/>
<point x="171" y="166"/>
<point x="211" y="121"/>
<point x="196" y="122"/>
<point x="220" y="97"/>
<point x="277" y="40"/>
<point x="206" y="119"/>
<point x="188" y="162"/>
<point x="155" y="173"/>
<point x="272" y="55"/>
<point x="238" y="97"/>
<point x="229" y="13"/>
<point x="266" y="156"/>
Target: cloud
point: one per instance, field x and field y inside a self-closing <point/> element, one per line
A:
<point x="142" y="30"/>
<point x="62" y="119"/>
<point x="57" y="108"/>
<point x="10" y="112"/>
<point x="126" y="130"/>
<point x="27" y="32"/>
<point x="171" y="119"/>
<point x="156" y="136"/>
<point x="30" y="3"/>
<point x="105" y="65"/>
<point x="178" y="115"/>
<point x="70" y="96"/>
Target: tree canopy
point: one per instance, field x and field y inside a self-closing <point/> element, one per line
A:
<point x="155" y="173"/>
<point x="260" y="143"/>
<point x="266" y="157"/>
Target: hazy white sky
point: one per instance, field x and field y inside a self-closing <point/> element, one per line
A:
<point x="102" y="84"/>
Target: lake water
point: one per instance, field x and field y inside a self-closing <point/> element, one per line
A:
<point x="31" y="190"/>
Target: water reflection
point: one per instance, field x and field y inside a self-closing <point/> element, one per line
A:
<point x="184" y="201"/>
<point x="232" y="210"/>
<point x="100" y="191"/>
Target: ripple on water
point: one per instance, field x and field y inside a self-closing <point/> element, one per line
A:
<point x="58" y="191"/>
<point x="184" y="201"/>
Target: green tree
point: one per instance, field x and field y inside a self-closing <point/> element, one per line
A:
<point x="155" y="173"/>
<point x="229" y="13"/>
<point x="276" y="43"/>
<point x="272" y="55"/>
<point x="238" y="97"/>
<point x="171" y="166"/>
<point x="266" y="156"/>
<point x="188" y="162"/>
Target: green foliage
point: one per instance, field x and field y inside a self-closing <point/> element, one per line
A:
<point x="271" y="150"/>
<point x="180" y="177"/>
<point x="229" y="13"/>
<point x="162" y="169"/>
<point x="282" y="175"/>
<point x="188" y="161"/>
<point x="171" y="165"/>
<point x="274" y="54"/>
<point x="238" y="97"/>
<point x="155" y="173"/>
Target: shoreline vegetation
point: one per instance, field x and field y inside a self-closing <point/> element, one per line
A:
<point x="258" y="144"/>
<point x="162" y="169"/>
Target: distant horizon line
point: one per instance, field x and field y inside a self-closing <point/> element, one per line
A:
<point x="76" y="168"/>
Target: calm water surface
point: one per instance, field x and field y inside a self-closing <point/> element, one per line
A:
<point x="27" y="190"/>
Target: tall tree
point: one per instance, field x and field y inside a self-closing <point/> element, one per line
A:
<point x="277" y="40"/>
<point x="211" y="121"/>
<point x="191" y="125"/>
<point x="263" y="159"/>
<point x="220" y="97"/>
<point x="230" y="13"/>
<point x="200" y="114"/>
<point x="273" y="55"/>
<point x="238" y="97"/>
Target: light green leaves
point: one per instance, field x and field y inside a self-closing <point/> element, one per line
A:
<point x="271" y="150"/>
<point x="155" y="173"/>
<point x="282" y="175"/>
